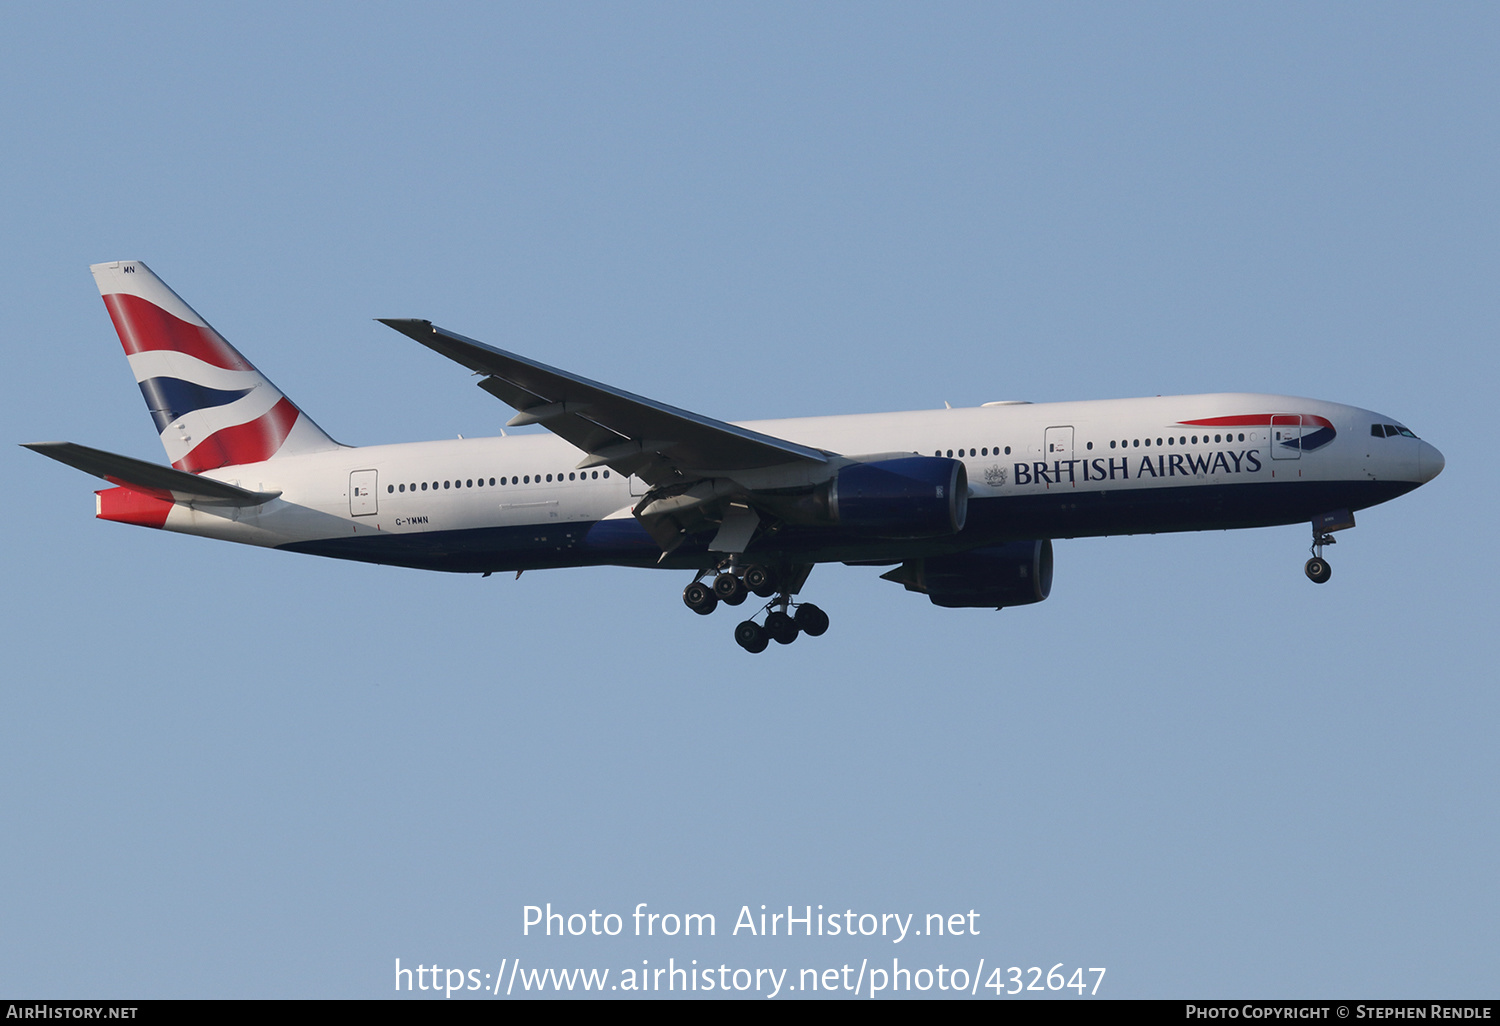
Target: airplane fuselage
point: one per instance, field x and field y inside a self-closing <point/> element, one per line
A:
<point x="1045" y="470"/>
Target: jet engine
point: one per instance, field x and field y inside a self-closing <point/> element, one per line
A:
<point x="910" y="497"/>
<point x="1013" y="574"/>
<point x="896" y="497"/>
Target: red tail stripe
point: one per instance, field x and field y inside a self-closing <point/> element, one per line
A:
<point x="143" y="326"/>
<point x="128" y="506"/>
<point x="1256" y="420"/>
<point x="250" y="442"/>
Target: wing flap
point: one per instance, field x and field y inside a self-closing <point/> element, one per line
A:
<point x="150" y="478"/>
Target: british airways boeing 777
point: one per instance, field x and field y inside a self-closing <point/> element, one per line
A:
<point x="963" y="504"/>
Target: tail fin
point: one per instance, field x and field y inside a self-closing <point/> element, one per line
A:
<point x="212" y="407"/>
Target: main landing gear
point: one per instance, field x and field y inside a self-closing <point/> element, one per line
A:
<point x="782" y="625"/>
<point x="1317" y="569"/>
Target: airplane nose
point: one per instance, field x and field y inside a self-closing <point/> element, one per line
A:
<point x="1430" y="462"/>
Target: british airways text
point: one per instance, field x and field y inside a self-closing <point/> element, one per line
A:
<point x="1102" y="468"/>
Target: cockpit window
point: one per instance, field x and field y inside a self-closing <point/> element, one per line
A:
<point x="1405" y="432"/>
<point x="1378" y="430"/>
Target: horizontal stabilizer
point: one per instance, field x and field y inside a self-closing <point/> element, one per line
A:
<point x="150" y="478"/>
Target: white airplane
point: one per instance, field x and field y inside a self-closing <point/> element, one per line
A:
<point x="963" y="503"/>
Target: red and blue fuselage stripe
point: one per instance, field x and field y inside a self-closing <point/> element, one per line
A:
<point x="1324" y="434"/>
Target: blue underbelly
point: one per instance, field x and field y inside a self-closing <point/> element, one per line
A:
<point x="1062" y="512"/>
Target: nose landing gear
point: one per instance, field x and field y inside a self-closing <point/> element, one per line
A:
<point x="1317" y="569"/>
<point x="1323" y="526"/>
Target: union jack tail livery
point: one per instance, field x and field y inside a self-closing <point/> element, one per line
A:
<point x="211" y="406"/>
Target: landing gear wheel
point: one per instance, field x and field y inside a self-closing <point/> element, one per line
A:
<point x="751" y="637"/>
<point x="781" y="628"/>
<point x="700" y="598"/>
<point x="730" y="589"/>
<point x="1318" y="570"/>
<point x="761" y="580"/>
<point x="811" y="620"/>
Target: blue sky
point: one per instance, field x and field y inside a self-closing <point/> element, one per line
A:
<point x="231" y="772"/>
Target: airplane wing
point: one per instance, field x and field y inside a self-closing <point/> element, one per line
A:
<point x="661" y="444"/>
<point x="150" y="478"/>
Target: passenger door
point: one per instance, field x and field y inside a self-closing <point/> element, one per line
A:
<point x="1060" y="442"/>
<point x="1286" y="436"/>
<point x="362" y="489"/>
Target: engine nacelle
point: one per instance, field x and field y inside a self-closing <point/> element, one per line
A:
<point x="910" y="497"/>
<point x="1013" y="574"/>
